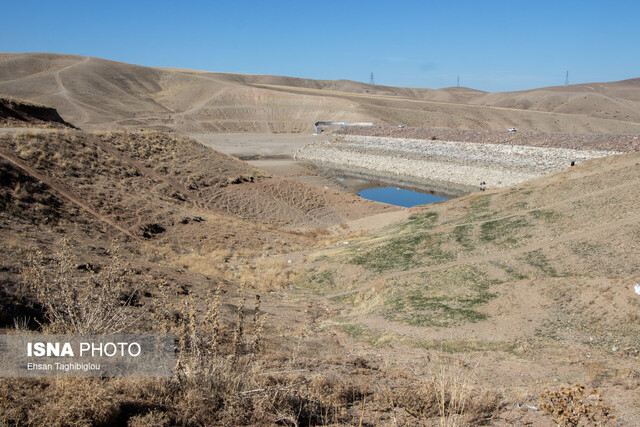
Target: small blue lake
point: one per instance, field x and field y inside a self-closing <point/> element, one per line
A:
<point x="399" y="197"/>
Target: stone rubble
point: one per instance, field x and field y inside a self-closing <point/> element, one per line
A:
<point x="577" y="141"/>
<point x="460" y="163"/>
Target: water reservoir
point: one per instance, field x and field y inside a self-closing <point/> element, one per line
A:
<point x="400" y="196"/>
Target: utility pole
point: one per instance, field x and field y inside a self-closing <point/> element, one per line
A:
<point x="458" y="81"/>
<point x="371" y="80"/>
<point x="566" y="79"/>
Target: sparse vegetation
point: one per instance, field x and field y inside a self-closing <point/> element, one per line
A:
<point x="280" y="325"/>
<point x="449" y="395"/>
<point x="99" y="303"/>
<point x="502" y="231"/>
<point x="317" y="282"/>
<point x="538" y="260"/>
<point x="462" y="234"/>
<point x="568" y="406"/>
<point x="441" y="298"/>
<point x="403" y="252"/>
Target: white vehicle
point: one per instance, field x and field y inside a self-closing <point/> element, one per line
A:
<point x="512" y="130"/>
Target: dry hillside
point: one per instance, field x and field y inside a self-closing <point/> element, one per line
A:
<point x="535" y="282"/>
<point x="153" y="228"/>
<point x="409" y="324"/>
<point x="615" y="100"/>
<point x="15" y="113"/>
<point x="97" y="93"/>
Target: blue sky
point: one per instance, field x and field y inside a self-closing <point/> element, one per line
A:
<point x="492" y="45"/>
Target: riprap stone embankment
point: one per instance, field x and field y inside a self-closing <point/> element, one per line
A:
<point x="462" y="164"/>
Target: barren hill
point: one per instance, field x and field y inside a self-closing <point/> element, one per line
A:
<point x="97" y="93"/>
<point x="614" y="100"/>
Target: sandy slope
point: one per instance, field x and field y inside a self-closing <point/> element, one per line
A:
<point x="615" y="100"/>
<point x="97" y="93"/>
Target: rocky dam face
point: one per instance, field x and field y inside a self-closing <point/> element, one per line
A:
<point x="462" y="166"/>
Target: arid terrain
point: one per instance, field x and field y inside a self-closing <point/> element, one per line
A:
<point x="292" y="300"/>
<point x="94" y="93"/>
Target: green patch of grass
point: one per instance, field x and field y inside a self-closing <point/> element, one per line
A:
<point x="537" y="259"/>
<point x="403" y="252"/>
<point x="395" y="254"/>
<point x="462" y="234"/>
<point x="361" y="333"/>
<point x="318" y="282"/>
<point x="514" y="200"/>
<point x="465" y="346"/>
<point x="436" y="312"/>
<point x="512" y="274"/>
<point x="545" y="215"/>
<point x="419" y="221"/>
<point x="442" y="298"/>
<point x="502" y="231"/>
<point x="433" y="253"/>
<point x="424" y="219"/>
<point x="480" y="203"/>
<point x="478" y="209"/>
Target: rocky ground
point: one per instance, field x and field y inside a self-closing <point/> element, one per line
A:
<point x="591" y="141"/>
<point x="461" y="164"/>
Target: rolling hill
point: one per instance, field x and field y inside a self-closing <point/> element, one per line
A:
<point x="615" y="100"/>
<point x="96" y="93"/>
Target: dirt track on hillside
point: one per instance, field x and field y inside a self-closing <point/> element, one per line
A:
<point x="99" y="94"/>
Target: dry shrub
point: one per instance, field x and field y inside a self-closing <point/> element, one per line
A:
<point x="335" y="390"/>
<point x="57" y="402"/>
<point x="218" y="381"/>
<point x="152" y="418"/>
<point x="47" y="150"/>
<point x="271" y="274"/>
<point x="449" y="395"/>
<point x="95" y="304"/>
<point x="570" y="407"/>
<point x="219" y="376"/>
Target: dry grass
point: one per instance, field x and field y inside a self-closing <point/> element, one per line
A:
<point x="258" y="272"/>
<point x="449" y="395"/>
<point x="223" y="374"/>
<point x="219" y="375"/>
<point x="99" y="303"/>
<point x="271" y="274"/>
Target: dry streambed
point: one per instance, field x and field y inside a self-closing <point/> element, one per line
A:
<point x="461" y="164"/>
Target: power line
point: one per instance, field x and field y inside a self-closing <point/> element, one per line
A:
<point x="458" y="81"/>
<point x="566" y="79"/>
<point x="371" y="80"/>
